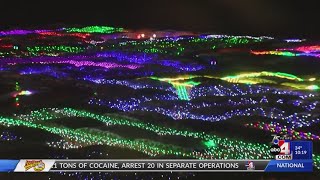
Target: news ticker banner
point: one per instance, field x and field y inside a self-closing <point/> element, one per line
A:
<point x="169" y="165"/>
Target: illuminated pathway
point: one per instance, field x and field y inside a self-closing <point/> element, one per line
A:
<point x="255" y="78"/>
<point x="281" y="75"/>
<point x="219" y="147"/>
<point x="106" y="65"/>
<point x="216" y="147"/>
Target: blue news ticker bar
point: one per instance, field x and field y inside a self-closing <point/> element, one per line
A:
<point x="298" y="165"/>
<point x="7" y="165"/>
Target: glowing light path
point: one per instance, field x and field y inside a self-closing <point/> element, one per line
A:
<point x="181" y="112"/>
<point x="38" y="50"/>
<point x="47" y="114"/>
<point x="305" y="49"/>
<point x="144" y="58"/>
<point x="242" y="90"/>
<point x="253" y="78"/>
<point x="106" y="65"/>
<point x="278" y="53"/>
<point x="132" y="84"/>
<point x="59" y="34"/>
<point x="263" y="73"/>
<point x="110" y="59"/>
<point x="21" y="32"/>
<point x="94" y="29"/>
<point x="301" y="86"/>
<point x="90" y="137"/>
<point x="218" y="36"/>
<point x="217" y="147"/>
<point x="138" y="58"/>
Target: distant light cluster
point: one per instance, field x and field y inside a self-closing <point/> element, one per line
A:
<point x="95" y="29"/>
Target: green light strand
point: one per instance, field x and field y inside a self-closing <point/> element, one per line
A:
<point x="95" y="29"/>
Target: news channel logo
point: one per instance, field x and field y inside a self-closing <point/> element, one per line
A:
<point x="280" y="147"/>
<point x="250" y="165"/>
<point x="36" y="165"/>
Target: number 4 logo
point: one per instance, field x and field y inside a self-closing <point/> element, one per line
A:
<point x="284" y="146"/>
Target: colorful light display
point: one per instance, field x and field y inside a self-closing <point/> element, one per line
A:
<point x="277" y="128"/>
<point x="47" y="114"/>
<point x="89" y="137"/>
<point x="158" y="75"/>
<point x="217" y="147"/>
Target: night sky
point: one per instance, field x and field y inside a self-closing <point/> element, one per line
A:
<point x="283" y="18"/>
